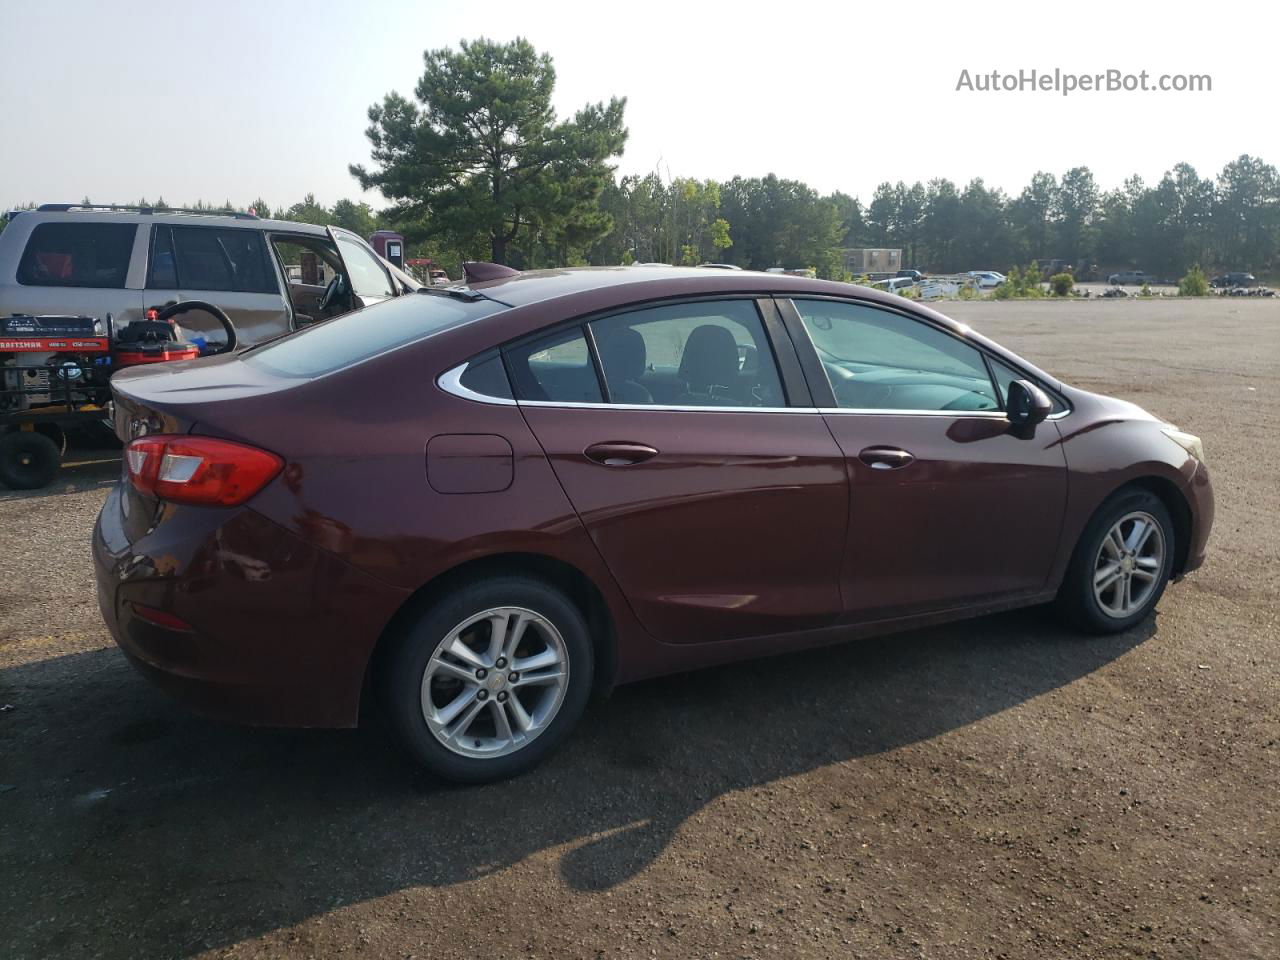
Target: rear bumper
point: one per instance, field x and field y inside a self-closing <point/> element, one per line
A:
<point x="281" y="632"/>
<point x="1199" y="493"/>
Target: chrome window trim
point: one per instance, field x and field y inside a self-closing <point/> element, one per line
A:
<point x="884" y="411"/>
<point x="679" y="408"/>
<point x="451" y="382"/>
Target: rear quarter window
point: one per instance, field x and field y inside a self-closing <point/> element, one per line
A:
<point x="77" y="255"/>
<point x="355" y="337"/>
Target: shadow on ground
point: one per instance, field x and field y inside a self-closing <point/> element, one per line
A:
<point x="135" y="828"/>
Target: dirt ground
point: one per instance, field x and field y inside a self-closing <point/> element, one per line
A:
<point x="996" y="788"/>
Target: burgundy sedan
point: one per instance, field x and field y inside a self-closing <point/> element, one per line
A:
<point x="474" y="506"/>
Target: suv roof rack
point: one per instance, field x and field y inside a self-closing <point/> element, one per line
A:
<point x="65" y="207"/>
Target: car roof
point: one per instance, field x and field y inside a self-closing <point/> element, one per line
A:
<point x="652" y="282"/>
<point x="197" y="219"/>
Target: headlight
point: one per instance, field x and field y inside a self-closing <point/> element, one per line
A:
<point x="1187" y="441"/>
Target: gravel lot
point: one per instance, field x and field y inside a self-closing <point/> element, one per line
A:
<point x="996" y="788"/>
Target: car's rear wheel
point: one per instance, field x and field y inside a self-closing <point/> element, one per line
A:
<point x="490" y="679"/>
<point x="1121" y="565"/>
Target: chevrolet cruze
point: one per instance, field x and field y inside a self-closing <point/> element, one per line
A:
<point x="471" y="507"/>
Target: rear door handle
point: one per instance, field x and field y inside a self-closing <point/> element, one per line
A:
<point x="619" y="453"/>
<point x="885" y="458"/>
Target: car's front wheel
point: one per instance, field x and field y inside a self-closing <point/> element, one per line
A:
<point x="490" y="679"/>
<point x="1121" y="564"/>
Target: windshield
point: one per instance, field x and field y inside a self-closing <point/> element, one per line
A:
<point x="355" y="337"/>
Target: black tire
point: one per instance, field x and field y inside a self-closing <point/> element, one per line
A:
<point x="403" y="670"/>
<point x="28" y="460"/>
<point x="1076" y="597"/>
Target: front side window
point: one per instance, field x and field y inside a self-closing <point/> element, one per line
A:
<point x="78" y="255"/>
<point x="1005" y="375"/>
<point x="700" y="354"/>
<point x="367" y="277"/>
<point x="879" y="360"/>
<point x="556" y="368"/>
<point x="208" y="258"/>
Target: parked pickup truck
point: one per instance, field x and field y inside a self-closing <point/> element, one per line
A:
<point x="1234" y="280"/>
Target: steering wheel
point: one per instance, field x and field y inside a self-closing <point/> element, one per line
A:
<point x="331" y="293"/>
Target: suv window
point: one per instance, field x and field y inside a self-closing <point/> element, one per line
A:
<point x="209" y="258"/>
<point x="701" y="354"/>
<point x="78" y="255"/>
<point x="878" y="360"/>
<point x="555" y="368"/>
<point x="367" y="277"/>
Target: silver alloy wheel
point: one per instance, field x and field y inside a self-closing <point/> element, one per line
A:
<point x="1127" y="569"/>
<point x="495" y="682"/>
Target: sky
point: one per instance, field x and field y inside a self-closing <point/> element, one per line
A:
<point x="236" y="100"/>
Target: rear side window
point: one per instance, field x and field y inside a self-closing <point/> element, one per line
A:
<point x="354" y="337"/>
<point x="487" y="377"/>
<point x="702" y="354"/>
<point x="556" y="368"/>
<point x="207" y="258"/>
<point x="162" y="274"/>
<point x="78" y="255"/>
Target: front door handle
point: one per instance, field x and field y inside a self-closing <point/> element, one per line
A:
<point x="885" y="458"/>
<point x="619" y="453"/>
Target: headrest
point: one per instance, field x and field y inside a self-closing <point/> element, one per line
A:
<point x="710" y="358"/>
<point x="622" y="354"/>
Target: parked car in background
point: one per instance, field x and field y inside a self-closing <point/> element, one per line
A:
<point x="474" y="506"/>
<point x="1234" y="280"/>
<point x="893" y="284"/>
<point x="269" y="276"/>
<point x="913" y="275"/>
<point x="1130" y="277"/>
<point x="986" y="279"/>
<point x="719" y="266"/>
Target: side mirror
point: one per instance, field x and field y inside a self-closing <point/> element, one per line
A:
<point x="1026" y="404"/>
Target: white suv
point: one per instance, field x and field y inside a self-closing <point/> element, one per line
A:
<point x="269" y="276"/>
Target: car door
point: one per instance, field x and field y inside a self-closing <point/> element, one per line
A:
<point x="368" y="280"/>
<point x="950" y="504"/>
<point x="226" y="266"/>
<point x="710" y="485"/>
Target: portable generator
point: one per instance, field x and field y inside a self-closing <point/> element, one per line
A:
<point x="68" y="361"/>
<point x="53" y="360"/>
<point x="55" y="373"/>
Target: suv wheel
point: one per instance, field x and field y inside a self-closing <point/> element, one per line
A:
<point x="1121" y="564"/>
<point x="489" y="680"/>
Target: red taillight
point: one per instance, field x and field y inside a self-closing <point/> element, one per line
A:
<point x="199" y="470"/>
